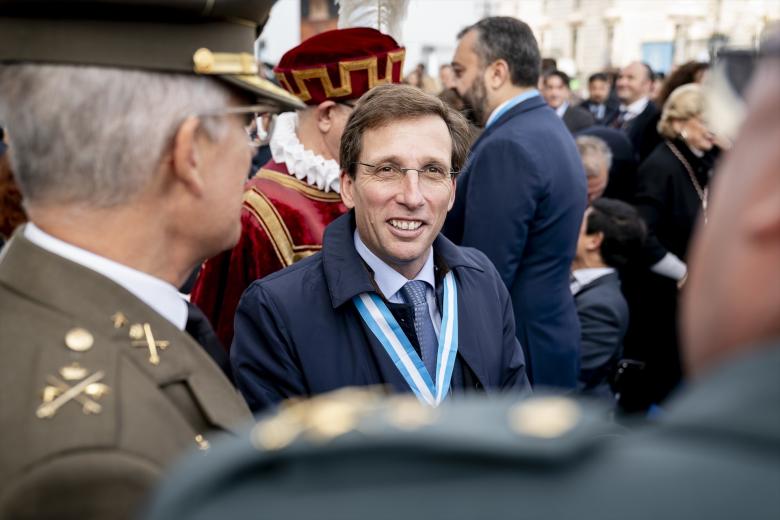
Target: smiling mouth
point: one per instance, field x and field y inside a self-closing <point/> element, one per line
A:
<point x="406" y="225"/>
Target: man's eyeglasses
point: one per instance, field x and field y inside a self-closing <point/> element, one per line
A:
<point x="430" y="173"/>
<point x="253" y="115"/>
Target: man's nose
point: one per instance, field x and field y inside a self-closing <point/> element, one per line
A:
<point x="410" y="194"/>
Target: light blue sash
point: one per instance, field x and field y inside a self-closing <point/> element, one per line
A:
<point x="386" y="329"/>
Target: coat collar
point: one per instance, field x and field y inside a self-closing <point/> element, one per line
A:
<point x="531" y="103"/>
<point x="347" y="276"/>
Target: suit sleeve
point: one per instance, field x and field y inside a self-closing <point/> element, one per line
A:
<point x="651" y="203"/>
<point x="262" y="354"/>
<point x="602" y="336"/>
<point x="503" y="192"/>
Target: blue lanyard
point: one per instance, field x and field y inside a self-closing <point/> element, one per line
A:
<point x="386" y="329"/>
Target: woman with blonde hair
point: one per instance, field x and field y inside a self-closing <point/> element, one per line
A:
<point x="671" y="196"/>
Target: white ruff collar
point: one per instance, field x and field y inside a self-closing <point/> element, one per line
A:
<point x="304" y="164"/>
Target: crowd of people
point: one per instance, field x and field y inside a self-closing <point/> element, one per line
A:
<point x="195" y="244"/>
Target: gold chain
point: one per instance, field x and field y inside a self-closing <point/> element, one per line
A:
<point x="702" y="193"/>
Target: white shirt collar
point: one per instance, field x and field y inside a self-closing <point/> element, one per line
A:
<point x="388" y="279"/>
<point x="635" y="108"/>
<point x="158" y="294"/>
<point x="304" y="164"/>
<point x="562" y="109"/>
<point x="583" y="277"/>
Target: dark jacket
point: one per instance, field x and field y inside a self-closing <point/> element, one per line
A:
<point x="520" y="201"/>
<point x="642" y="131"/>
<point x="622" y="174"/>
<point x="603" y="314"/>
<point x="667" y="201"/>
<point x="298" y="333"/>
<point x="576" y="119"/>
<point x="611" y="111"/>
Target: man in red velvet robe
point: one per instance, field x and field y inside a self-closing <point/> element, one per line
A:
<point x="294" y="196"/>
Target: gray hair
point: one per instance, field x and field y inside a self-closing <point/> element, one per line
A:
<point x="594" y="152"/>
<point x="93" y="135"/>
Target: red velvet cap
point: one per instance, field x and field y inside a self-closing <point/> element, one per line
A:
<point x="340" y="64"/>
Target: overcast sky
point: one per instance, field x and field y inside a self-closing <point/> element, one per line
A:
<point x="432" y="23"/>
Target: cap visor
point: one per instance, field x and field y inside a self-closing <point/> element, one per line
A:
<point x="265" y="90"/>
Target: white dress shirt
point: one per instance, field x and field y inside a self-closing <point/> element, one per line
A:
<point x="635" y="108"/>
<point x="391" y="281"/>
<point x="158" y="294"/>
<point x="561" y="110"/>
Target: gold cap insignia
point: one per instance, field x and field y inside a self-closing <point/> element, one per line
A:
<point x="79" y="340"/>
<point x="544" y="417"/>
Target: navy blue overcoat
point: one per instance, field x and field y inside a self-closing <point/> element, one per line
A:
<point x="298" y="332"/>
<point x="520" y="200"/>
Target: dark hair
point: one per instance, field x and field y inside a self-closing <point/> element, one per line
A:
<point x="624" y="230"/>
<point x="685" y="73"/>
<point x="509" y="39"/>
<point x="386" y="104"/>
<point x="558" y="74"/>
<point x="598" y="76"/>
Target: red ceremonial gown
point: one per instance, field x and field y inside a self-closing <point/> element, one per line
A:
<point x="282" y="221"/>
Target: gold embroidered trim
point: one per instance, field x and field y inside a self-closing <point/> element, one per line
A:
<point x="265" y="212"/>
<point x="291" y="182"/>
<point x="345" y="67"/>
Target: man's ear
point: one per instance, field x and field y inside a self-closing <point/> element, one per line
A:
<point x="324" y="115"/>
<point x="347" y="185"/>
<point x="186" y="158"/>
<point x="762" y="218"/>
<point x="498" y="74"/>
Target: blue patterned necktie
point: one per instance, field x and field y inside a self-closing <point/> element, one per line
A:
<point x="414" y="294"/>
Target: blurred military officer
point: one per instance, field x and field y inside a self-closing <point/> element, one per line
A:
<point x="714" y="454"/>
<point x="126" y="123"/>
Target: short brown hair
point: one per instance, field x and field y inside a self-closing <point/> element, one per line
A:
<point x="386" y="104"/>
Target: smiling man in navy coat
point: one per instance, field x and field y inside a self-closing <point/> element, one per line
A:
<point x="388" y="300"/>
<point x="523" y="193"/>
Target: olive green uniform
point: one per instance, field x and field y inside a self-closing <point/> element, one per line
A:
<point x="62" y="324"/>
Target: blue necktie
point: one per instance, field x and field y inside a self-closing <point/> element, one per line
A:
<point x="414" y="294"/>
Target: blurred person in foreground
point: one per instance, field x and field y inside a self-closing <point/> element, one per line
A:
<point x="599" y="103"/>
<point x="294" y="196"/>
<point x="103" y="381"/>
<point x="672" y="195"/>
<point x="611" y="235"/>
<point x="557" y="93"/>
<point x="522" y="194"/>
<point x="388" y="300"/>
<point x="715" y="454"/>
<point x="597" y="160"/>
<point x="638" y="114"/>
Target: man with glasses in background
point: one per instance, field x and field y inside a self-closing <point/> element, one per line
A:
<point x="293" y="197"/>
<point x="127" y="125"/>
<point x="388" y="300"/>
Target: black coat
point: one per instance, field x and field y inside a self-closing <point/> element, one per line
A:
<point x="611" y="111"/>
<point x="667" y="201"/>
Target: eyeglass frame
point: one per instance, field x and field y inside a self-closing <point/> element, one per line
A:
<point x="245" y="109"/>
<point x="452" y="174"/>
